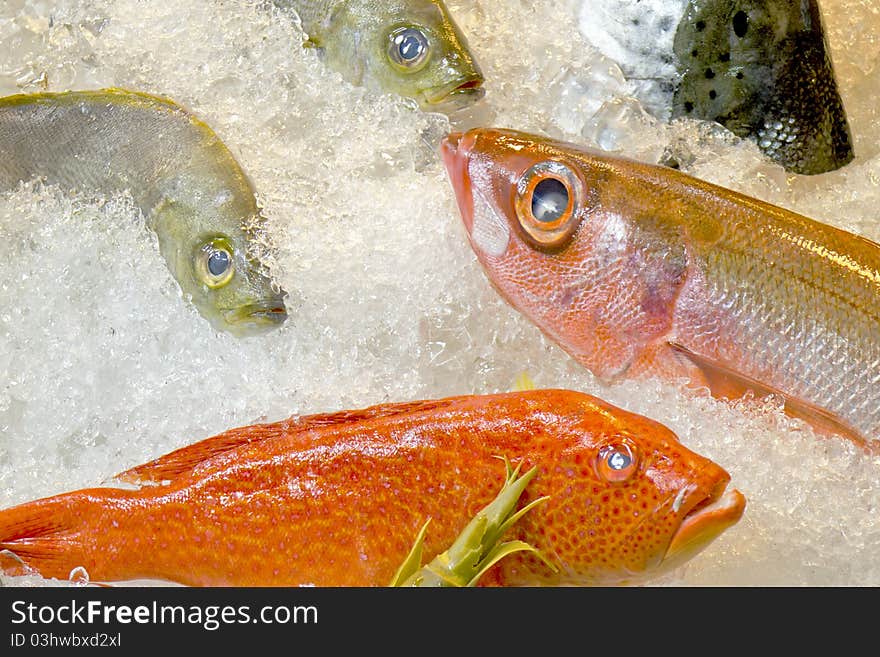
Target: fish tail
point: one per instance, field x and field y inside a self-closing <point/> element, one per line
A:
<point x="46" y="537"/>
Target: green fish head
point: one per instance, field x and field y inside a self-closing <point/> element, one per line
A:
<point x="220" y="273"/>
<point x="412" y="49"/>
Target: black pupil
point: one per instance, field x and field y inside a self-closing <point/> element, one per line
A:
<point x="741" y="24"/>
<point x="218" y="262"/>
<point x="410" y="45"/>
<point x="549" y="200"/>
<point x="618" y="460"/>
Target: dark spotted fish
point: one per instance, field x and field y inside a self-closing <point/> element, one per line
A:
<point x="761" y="68"/>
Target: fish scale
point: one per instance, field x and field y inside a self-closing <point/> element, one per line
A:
<point x="763" y="347"/>
<point x="838" y="315"/>
<point x="54" y="142"/>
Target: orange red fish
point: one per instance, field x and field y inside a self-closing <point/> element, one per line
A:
<point x="338" y="499"/>
<point x="639" y="270"/>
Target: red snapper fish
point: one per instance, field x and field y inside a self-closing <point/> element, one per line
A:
<point x="338" y="499"/>
<point x="638" y="270"/>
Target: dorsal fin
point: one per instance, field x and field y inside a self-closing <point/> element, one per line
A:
<point x="309" y="422"/>
<point x="183" y="460"/>
<point x="726" y="383"/>
<point x="172" y="465"/>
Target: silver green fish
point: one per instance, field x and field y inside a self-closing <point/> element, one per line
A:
<point x="185" y="181"/>
<point x="412" y="48"/>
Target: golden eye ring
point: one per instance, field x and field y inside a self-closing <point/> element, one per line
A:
<point x="617" y="462"/>
<point x="214" y="262"/>
<point x="548" y="200"/>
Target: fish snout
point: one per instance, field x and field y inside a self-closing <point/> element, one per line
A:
<point x="455" y="97"/>
<point x="450" y="154"/>
<point x="468" y="92"/>
<point x="256" y="318"/>
<point x="707" y="515"/>
<point x="454" y="150"/>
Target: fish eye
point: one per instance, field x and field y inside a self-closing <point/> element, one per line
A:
<point x="214" y="263"/>
<point x="617" y="462"/>
<point x="408" y="48"/>
<point x="548" y="198"/>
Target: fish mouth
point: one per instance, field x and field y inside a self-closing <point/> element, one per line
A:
<point x="455" y="152"/>
<point x="703" y="523"/>
<point x="256" y="318"/>
<point x="453" y="97"/>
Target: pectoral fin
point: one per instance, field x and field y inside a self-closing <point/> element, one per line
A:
<point x="726" y="383"/>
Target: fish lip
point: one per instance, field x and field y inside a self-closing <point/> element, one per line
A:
<point x="257" y="317"/>
<point x="455" y="153"/>
<point x="708" y="516"/>
<point x="455" y="96"/>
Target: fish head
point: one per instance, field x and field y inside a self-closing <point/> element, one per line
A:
<point x="413" y="49"/>
<point x="627" y="503"/>
<point x="216" y="266"/>
<point x="557" y="236"/>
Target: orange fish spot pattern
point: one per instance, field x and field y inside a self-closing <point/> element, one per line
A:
<point x="337" y="499"/>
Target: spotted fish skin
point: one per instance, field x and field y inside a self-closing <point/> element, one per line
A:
<point x="763" y="70"/>
<point x="337" y="499"/>
<point x="760" y="68"/>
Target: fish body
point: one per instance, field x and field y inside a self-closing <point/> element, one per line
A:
<point x="638" y="270"/>
<point x="412" y="48"/>
<point x="338" y="499"/>
<point x="184" y="180"/>
<point x="760" y="68"/>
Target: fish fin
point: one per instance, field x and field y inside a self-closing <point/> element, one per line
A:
<point x="32" y="540"/>
<point x="725" y="383"/>
<point x="379" y="411"/>
<point x="181" y="461"/>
